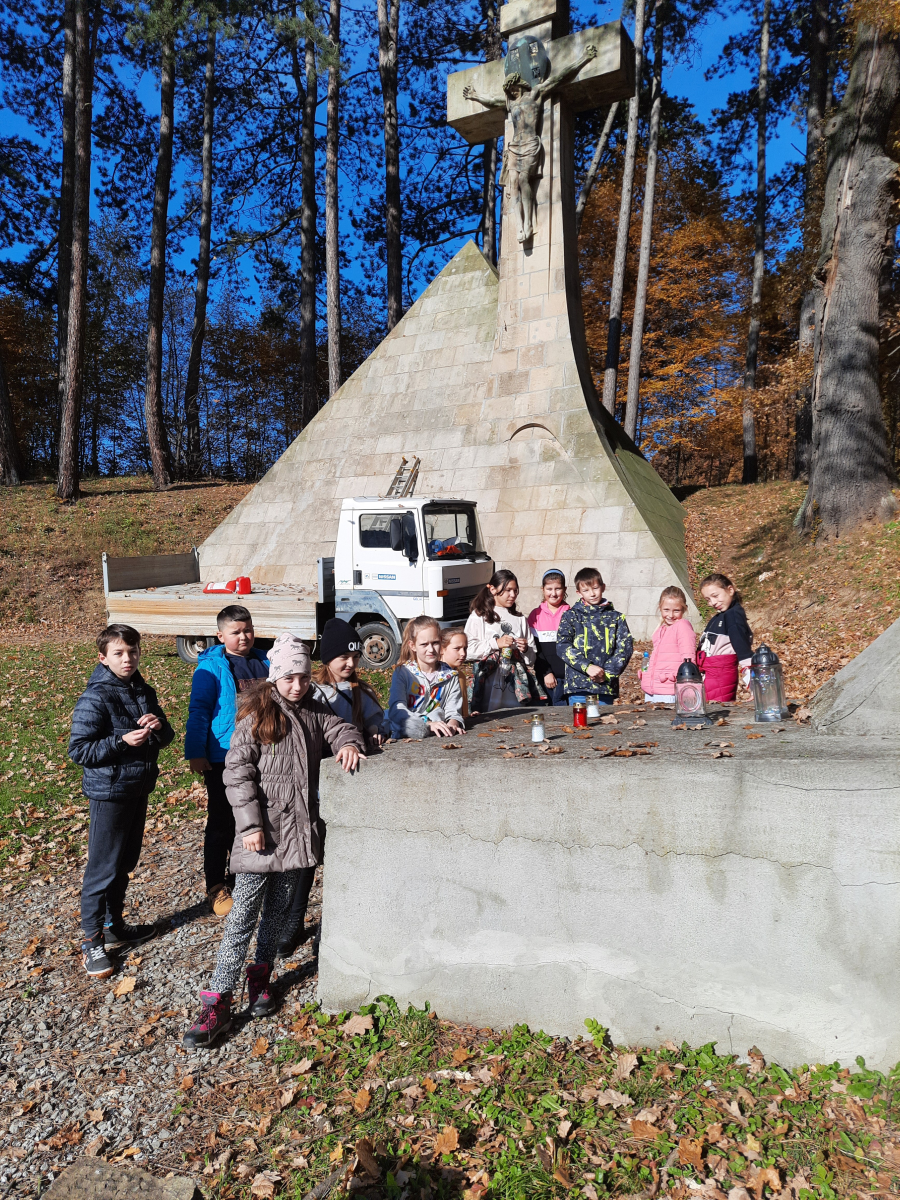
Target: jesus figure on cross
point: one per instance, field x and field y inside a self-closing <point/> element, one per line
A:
<point x="522" y="153"/>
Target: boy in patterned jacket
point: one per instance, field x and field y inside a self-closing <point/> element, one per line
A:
<point x="594" y="642"/>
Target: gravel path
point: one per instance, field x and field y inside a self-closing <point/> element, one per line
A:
<point x="83" y="1071"/>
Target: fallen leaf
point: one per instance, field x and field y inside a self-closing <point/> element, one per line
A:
<point x="752" y="1144"/>
<point x="625" y="1064"/>
<point x="131" y="1152"/>
<point x="561" y="1175"/>
<point x="759" y="1177"/>
<point x="643" y="1129"/>
<point x="366" y="1156"/>
<point x="563" y="1128"/>
<point x="690" y="1152"/>
<point x="429" y="1085"/>
<point x="451" y="745"/>
<point x="553" y="750"/>
<point x="752" y="736"/>
<point x="447" y="1140"/>
<point x="303" y="1067"/>
<point x="265" y="1184"/>
<point x="286" y="1098"/>
<point x="714" y="1132"/>
<point x="186" y="1084"/>
<point x="125" y="985"/>
<point x="265" y="1124"/>
<point x="460" y="1054"/>
<point x="337" y="1154"/>
<point x="300" y="1163"/>
<point x="358" y="1024"/>
<point x="611" y="1097"/>
<point x="361" y="1100"/>
<point x="94" y="1116"/>
<point x="545" y="1156"/>
<point x="260" y="1046"/>
<point x="638" y="723"/>
<point x="802" y="714"/>
<point x="94" y="1148"/>
<point x="723" y="754"/>
<point x="609" y="720"/>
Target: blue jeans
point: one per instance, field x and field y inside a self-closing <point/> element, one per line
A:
<point x="580" y="699"/>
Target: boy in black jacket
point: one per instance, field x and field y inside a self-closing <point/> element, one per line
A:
<point x="118" y="730"/>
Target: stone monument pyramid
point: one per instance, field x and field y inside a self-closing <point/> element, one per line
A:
<point x="486" y="379"/>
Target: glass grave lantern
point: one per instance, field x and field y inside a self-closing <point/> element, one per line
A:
<point x="767" y="686"/>
<point x="690" y="697"/>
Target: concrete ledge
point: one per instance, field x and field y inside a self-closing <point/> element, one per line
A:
<point x="745" y="900"/>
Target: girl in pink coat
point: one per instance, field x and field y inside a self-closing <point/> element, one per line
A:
<point x="673" y="642"/>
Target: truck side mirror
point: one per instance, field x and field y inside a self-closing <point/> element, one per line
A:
<point x="410" y="540"/>
<point x="396" y="533"/>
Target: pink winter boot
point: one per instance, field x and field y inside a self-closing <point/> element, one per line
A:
<point x="214" y="1019"/>
<point x="261" y="1000"/>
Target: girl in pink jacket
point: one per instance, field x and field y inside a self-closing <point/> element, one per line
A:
<point x="673" y="642"/>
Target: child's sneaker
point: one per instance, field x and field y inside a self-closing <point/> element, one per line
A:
<point x="123" y="937"/>
<point x="94" y="958"/>
<point x="214" y="1019"/>
<point x="220" y="899"/>
<point x="261" y="1000"/>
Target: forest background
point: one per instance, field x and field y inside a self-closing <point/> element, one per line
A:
<point x="269" y="185"/>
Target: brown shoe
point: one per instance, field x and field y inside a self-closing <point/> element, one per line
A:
<point x="220" y="899"/>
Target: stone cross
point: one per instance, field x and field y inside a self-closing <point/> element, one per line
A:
<point x="544" y="67"/>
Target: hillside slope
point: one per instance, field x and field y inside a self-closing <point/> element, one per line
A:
<point x="818" y="605"/>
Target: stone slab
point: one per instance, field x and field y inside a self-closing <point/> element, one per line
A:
<point x="93" y="1179"/>
<point x="608" y="77"/>
<point x="744" y="900"/>
<point x="864" y="697"/>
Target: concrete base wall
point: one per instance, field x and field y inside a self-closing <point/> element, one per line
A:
<point x="753" y="900"/>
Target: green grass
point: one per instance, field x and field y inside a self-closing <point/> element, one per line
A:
<point x="42" y="810"/>
<point x="527" y="1123"/>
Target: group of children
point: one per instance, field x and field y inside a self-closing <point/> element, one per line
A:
<point x="259" y="725"/>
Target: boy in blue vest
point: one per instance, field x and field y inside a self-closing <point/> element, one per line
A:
<point x="221" y="672"/>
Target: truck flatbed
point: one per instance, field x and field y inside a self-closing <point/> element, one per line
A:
<point x="185" y="610"/>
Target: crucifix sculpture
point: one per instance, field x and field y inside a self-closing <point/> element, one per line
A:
<point x="546" y="71"/>
<point x="525" y="88"/>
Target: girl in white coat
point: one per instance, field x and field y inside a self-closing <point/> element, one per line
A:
<point x="502" y="646"/>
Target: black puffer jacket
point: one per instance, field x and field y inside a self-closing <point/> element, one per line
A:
<point x="108" y="708"/>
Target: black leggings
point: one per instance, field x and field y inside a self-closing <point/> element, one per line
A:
<point x="297" y="918"/>
<point x="218" y="837"/>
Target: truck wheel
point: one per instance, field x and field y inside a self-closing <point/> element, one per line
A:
<point x="379" y="646"/>
<point x="190" y="648"/>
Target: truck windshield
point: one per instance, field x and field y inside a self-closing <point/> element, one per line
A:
<point x="451" y="530"/>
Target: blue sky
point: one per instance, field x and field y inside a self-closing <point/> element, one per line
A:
<point x="685" y="79"/>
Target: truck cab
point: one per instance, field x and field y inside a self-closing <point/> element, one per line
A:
<point x="398" y="557"/>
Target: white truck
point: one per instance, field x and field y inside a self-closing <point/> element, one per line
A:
<point x="394" y="558"/>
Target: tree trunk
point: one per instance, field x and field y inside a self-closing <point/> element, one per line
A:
<point x="308" y="237"/>
<point x="614" y="330"/>
<point x="751" y="462"/>
<point x="153" y="406"/>
<point x="193" y="456"/>
<point x="851" y="475"/>
<point x="70" y="413"/>
<point x="332" y="224"/>
<point x="812" y="203"/>
<point x="640" y="296"/>
<point x="66" y="200"/>
<point x="593" y="170"/>
<point x="388" y="31"/>
<point x="10" y="457"/>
